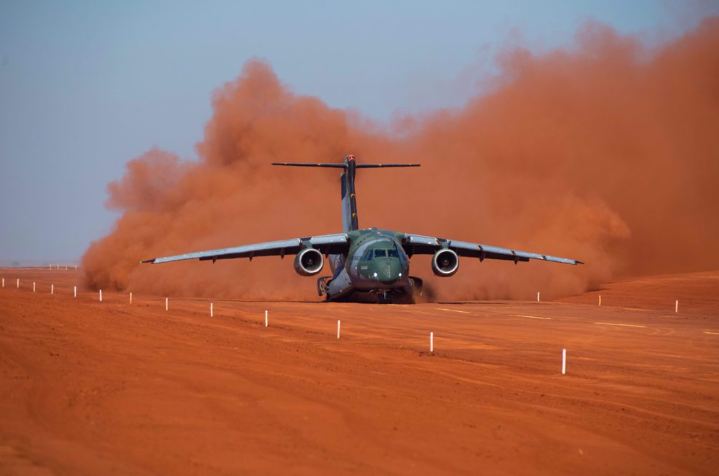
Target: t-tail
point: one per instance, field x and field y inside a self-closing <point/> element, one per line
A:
<point x="347" y="183"/>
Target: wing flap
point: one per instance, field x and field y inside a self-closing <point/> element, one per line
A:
<point x="475" y="250"/>
<point x="338" y="238"/>
<point x="421" y="240"/>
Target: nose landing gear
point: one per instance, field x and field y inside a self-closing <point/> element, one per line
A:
<point x="384" y="297"/>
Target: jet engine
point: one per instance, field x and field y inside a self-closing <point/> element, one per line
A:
<point x="309" y="262"/>
<point x="445" y="263"/>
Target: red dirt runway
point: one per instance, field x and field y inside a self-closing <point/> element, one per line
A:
<point x="99" y="388"/>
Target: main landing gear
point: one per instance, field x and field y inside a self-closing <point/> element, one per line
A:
<point x="322" y="283"/>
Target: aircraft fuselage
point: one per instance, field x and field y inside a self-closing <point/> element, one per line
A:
<point x="375" y="264"/>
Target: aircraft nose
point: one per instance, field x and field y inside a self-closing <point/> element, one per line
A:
<point x="390" y="273"/>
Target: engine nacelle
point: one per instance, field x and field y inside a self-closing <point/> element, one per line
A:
<point x="309" y="262"/>
<point x="445" y="263"/>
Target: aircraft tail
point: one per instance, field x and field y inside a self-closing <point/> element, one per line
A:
<point x="347" y="183"/>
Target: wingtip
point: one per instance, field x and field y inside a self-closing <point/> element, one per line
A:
<point x="148" y="261"/>
<point x="578" y="262"/>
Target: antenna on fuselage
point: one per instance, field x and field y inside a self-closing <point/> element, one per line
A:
<point x="347" y="182"/>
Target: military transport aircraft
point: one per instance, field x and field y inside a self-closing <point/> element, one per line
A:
<point x="365" y="262"/>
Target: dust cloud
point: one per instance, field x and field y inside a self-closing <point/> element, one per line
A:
<point x="607" y="152"/>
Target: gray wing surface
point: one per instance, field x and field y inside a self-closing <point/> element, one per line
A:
<point x="327" y="244"/>
<point x="419" y="244"/>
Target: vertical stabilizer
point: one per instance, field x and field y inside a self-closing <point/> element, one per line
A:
<point x="349" y="198"/>
<point x="347" y="183"/>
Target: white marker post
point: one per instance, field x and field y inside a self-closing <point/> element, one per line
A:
<point x="167" y="304"/>
<point x="3" y="282"/>
<point x="212" y="309"/>
<point x="74" y="291"/>
<point x="537" y="296"/>
<point x="266" y="323"/>
<point x="564" y="361"/>
<point x="101" y="295"/>
<point x="338" y="328"/>
<point x="130" y="298"/>
<point x="600" y="300"/>
<point x="676" y="307"/>
<point x="52" y="289"/>
<point x="18" y="282"/>
<point x="431" y="342"/>
<point x="33" y="286"/>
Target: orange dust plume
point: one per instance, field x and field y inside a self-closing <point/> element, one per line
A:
<point x="607" y="153"/>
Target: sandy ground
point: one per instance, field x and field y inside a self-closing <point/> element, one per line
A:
<point x="113" y="388"/>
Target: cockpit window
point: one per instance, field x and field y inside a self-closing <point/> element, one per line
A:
<point x="380" y="253"/>
<point x="393" y="253"/>
<point x="367" y="256"/>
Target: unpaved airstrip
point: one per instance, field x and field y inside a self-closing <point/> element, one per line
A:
<point x="90" y="387"/>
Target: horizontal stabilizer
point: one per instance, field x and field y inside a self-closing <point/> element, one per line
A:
<point x="343" y="166"/>
<point x="303" y="164"/>
<point x="382" y="166"/>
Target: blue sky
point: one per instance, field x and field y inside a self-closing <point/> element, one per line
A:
<point x="86" y="86"/>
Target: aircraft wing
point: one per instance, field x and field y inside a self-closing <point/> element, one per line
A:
<point x="427" y="245"/>
<point x="326" y="244"/>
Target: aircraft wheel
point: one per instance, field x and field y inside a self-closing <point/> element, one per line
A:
<point x="322" y="282"/>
